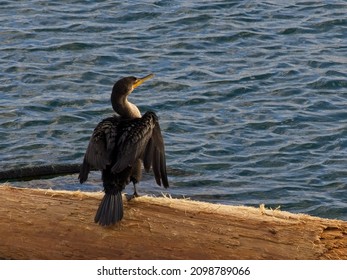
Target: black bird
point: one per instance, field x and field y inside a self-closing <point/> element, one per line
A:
<point x="117" y="147"/>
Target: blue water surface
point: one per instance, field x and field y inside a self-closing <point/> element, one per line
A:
<point x="251" y="95"/>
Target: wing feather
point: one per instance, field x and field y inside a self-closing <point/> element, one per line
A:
<point x="134" y="136"/>
<point x="147" y="156"/>
<point x="101" y="146"/>
<point x="155" y="155"/>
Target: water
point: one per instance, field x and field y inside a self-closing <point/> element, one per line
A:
<point x="251" y="95"/>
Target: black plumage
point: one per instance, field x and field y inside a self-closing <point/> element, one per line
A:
<point x="119" y="146"/>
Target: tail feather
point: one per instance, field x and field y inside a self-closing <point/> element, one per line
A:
<point x="110" y="210"/>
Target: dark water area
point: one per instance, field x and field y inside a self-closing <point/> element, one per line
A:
<point x="251" y="95"/>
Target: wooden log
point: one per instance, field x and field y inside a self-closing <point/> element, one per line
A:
<point x="47" y="224"/>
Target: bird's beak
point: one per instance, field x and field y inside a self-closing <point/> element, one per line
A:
<point x="139" y="81"/>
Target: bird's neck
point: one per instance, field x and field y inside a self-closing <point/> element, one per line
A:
<point x="125" y="108"/>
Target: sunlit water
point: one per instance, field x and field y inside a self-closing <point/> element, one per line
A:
<point x="251" y="95"/>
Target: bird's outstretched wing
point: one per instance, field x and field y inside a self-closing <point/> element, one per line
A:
<point x="154" y="155"/>
<point x="101" y="146"/>
<point x="141" y="139"/>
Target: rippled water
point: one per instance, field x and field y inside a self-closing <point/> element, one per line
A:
<point x="251" y="95"/>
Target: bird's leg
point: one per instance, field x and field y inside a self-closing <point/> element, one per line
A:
<point x="135" y="177"/>
<point x="135" y="183"/>
<point x="135" y="190"/>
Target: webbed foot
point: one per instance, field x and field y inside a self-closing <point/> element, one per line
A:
<point x="130" y="197"/>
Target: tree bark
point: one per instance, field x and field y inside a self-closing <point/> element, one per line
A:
<point x="47" y="224"/>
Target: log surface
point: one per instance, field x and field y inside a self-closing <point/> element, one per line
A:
<point x="47" y="224"/>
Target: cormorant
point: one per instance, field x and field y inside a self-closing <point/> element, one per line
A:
<point x="117" y="147"/>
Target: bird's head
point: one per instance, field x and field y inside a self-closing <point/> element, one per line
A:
<point x="125" y="86"/>
<point x="120" y="92"/>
